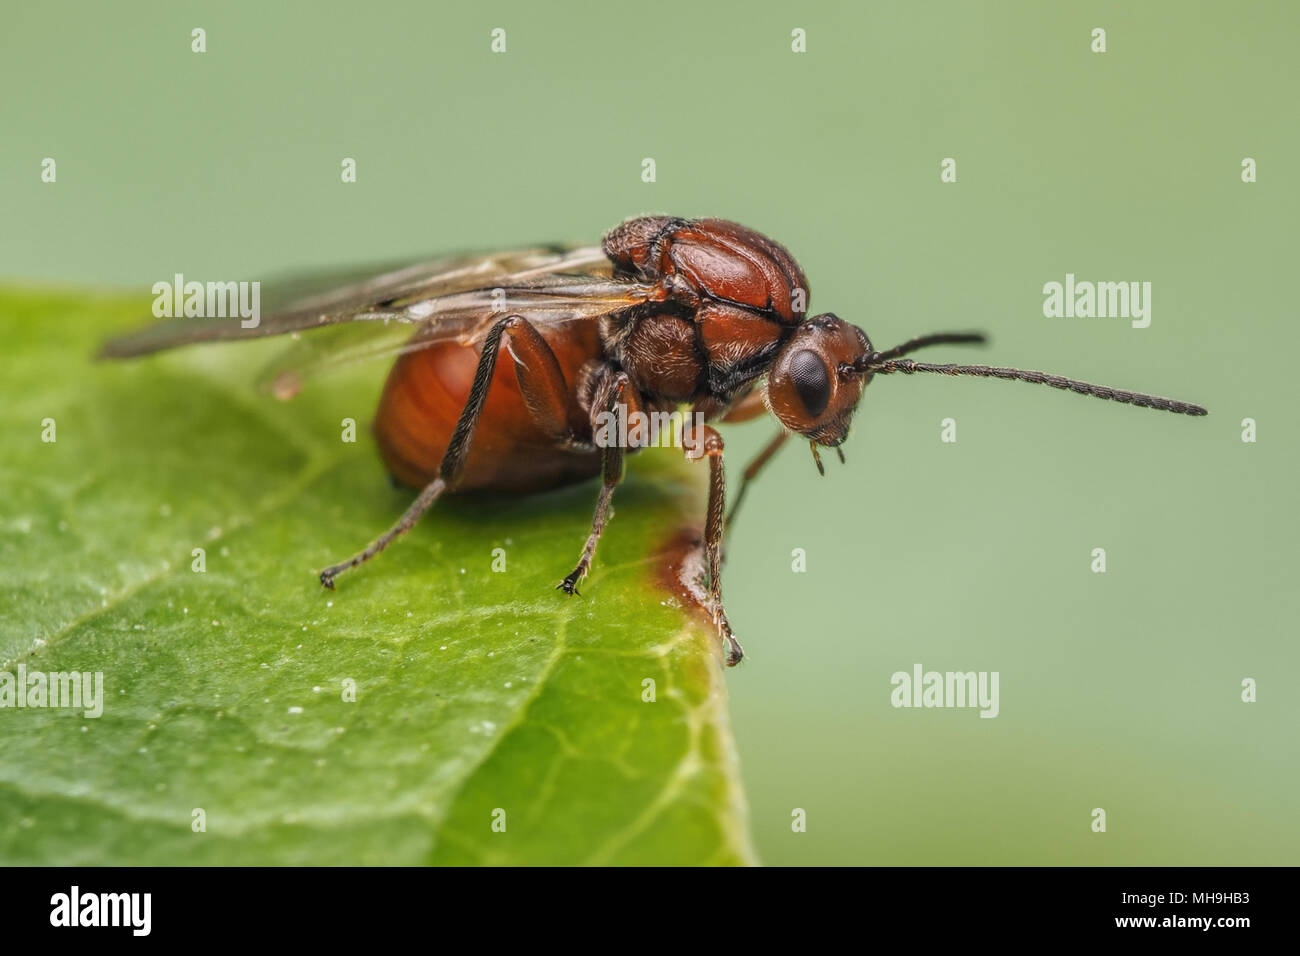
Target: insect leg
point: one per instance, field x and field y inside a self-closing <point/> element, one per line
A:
<point x="550" y="401"/>
<point x="615" y="389"/>
<point x="754" y="467"/>
<point x="540" y="381"/>
<point x="418" y="507"/>
<point x="714" y="524"/>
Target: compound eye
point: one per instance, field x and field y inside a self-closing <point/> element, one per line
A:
<point x="811" y="382"/>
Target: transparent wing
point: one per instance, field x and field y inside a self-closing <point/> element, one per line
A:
<point x="463" y="317"/>
<point x="444" y="298"/>
<point x="329" y="348"/>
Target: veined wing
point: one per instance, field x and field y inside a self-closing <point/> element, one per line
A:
<point x="463" y="317"/>
<point x="446" y="298"/>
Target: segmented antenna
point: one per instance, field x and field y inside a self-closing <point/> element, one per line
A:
<point x="937" y="338"/>
<point x="879" y="365"/>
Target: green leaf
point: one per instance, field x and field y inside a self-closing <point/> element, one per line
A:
<point x="224" y="690"/>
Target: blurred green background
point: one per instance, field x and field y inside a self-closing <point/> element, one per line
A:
<point x="1118" y="690"/>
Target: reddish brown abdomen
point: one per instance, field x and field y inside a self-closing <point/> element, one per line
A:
<point x="426" y="391"/>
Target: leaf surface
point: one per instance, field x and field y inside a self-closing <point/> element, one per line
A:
<point x="224" y="691"/>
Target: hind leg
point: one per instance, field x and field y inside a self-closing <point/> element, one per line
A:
<point x="545" y="393"/>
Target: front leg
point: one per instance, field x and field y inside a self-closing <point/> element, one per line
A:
<point x="706" y="442"/>
<point x="754" y="467"/>
<point x="744" y="409"/>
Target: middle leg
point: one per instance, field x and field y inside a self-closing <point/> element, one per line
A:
<point x="614" y="389"/>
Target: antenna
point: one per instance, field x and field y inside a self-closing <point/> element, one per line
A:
<point x="878" y="365"/>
